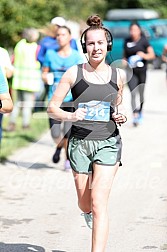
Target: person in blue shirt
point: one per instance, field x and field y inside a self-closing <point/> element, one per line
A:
<point x="54" y="66"/>
<point x="6" y="104"/>
<point x="50" y="42"/>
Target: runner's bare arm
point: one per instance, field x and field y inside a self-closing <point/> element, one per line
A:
<point x="45" y="71"/>
<point x="65" y="84"/>
<point x="7" y="104"/>
<point x="149" y="55"/>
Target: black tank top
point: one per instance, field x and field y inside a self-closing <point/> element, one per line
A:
<point x="83" y="92"/>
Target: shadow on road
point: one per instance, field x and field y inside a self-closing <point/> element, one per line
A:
<point x="58" y="251"/>
<point x="4" y="247"/>
<point x="157" y="112"/>
<point x="30" y="165"/>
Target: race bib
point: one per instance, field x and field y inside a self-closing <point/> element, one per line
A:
<point x="96" y="110"/>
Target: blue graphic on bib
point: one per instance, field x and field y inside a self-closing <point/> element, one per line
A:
<point x="96" y="110"/>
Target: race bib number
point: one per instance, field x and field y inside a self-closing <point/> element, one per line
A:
<point x="96" y="110"/>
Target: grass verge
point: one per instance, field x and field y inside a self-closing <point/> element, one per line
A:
<point x="11" y="141"/>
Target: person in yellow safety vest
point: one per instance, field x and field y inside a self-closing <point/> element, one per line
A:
<point x="27" y="77"/>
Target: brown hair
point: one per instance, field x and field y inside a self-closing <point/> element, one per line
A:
<point x="94" y="21"/>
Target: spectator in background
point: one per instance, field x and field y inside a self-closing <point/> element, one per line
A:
<point x="137" y="51"/>
<point x="6" y="104"/>
<point x="50" y="42"/>
<point x="5" y="62"/>
<point x="164" y="57"/>
<point x="56" y="63"/>
<point x="26" y="79"/>
<point x="6" y="71"/>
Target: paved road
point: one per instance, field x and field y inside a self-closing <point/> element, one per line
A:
<point x="38" y="206"/>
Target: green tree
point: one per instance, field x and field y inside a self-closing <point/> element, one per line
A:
<point x="81" y="9"/>
<point x="15" y="15"/>
<point x="125" y="4"/>
<point x="158" y="5"/>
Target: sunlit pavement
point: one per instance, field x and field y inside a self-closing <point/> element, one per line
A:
<point x="38" y="204"/>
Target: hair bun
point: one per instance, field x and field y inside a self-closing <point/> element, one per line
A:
<point x="94" y="20"/>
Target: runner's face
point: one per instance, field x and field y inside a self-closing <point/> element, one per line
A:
<point x="96" y="44"/>
<point x="63" y="37"/>
<point x="135" y="32"/>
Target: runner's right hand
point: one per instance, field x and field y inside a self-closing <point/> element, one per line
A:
<point x="79" y="114"/>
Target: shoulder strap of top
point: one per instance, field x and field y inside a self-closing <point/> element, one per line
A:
<point x="79" y="74"/>
<point x="114" y="75"/>
<point x="80" y="71"/>
<point x="113" y="81"/>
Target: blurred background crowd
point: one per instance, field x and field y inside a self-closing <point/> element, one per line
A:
<point x="28" y="31"/>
